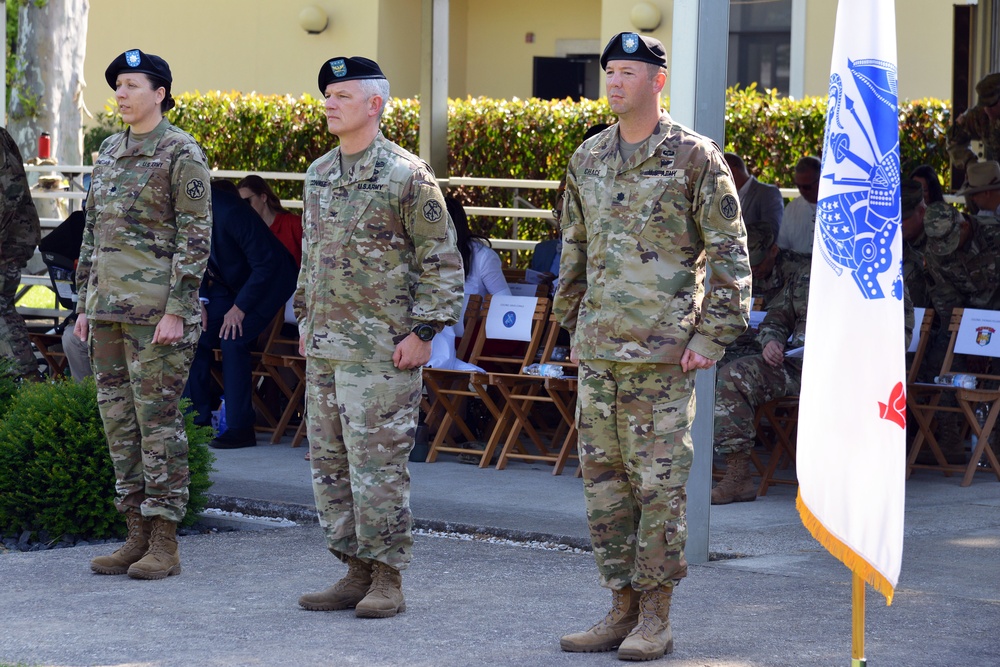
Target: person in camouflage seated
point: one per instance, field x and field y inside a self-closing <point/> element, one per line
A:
<point x="772" y="267"/>
<point x="145" y="249"/>
<point x="650" y="208"/>
<point x="19" y="235"/>
<point x="381" y="276"/>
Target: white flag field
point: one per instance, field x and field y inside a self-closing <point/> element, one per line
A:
<point x="852" y="408"/>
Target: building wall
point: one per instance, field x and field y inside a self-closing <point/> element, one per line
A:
<point x="257" y="45"/>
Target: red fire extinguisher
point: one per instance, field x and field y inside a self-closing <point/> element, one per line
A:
<point x="44" y="146"/>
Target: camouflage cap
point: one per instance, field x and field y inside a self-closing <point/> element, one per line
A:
<point x="988" y="90"/>
<point x="135" y="60"/>
<point x="980" y="177"/>
<point x="347" y="69"/>
<point x="943" y="227"/>
<point x="630" y="46"/>
<point x="760" y="239"/>
<point x="911" y="193"/>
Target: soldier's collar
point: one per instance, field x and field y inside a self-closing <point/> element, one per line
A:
<point x="145" y="147"/>
<point x="366" y="168"/>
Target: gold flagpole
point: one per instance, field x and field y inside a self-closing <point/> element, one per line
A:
<point x="857" y="621"/>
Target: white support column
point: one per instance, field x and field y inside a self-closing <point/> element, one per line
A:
<point x="434" y="86"/>
<point x="797" y="65"/>
<point x="698" y="100"/>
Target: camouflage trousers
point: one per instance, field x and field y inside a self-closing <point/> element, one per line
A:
<point x="139" y="386"/>
<point x="362" y="418"/>
<point x="743" y="386"/>
<point x="14" y="343"/>
<point x="635" y="455"/>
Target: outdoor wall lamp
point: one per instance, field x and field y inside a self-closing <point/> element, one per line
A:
<point x="313" y="20"/>
<point x="645" y="16"/>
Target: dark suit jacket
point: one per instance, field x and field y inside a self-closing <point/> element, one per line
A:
<point x="763" y="203"/>
<point x="248" y="265"/>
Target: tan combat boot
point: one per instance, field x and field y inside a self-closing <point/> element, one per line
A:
<point x="385" y="596"/>
<point x="135" y="547"/>
<point x="737" y="485"/>
<point x="652" y="637"/>
<point x="162" y="559"/>
<point x="611" y="630"/>
<point x="344" y="594"/>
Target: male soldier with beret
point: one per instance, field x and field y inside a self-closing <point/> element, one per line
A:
<point x="381" y="275"/>
<point x="980" y="122"/>
<point x="19" y="235"/>
<point x="649" y="206"/>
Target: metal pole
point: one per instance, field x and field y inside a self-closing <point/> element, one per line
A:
<point x="434" y="86"/>
<point x="698" y="100"/>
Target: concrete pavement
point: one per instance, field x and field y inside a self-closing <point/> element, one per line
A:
<point x="773" y="598"/>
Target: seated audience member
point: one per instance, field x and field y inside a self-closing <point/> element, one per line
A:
<point x="250" y="276"/>
<point x="772" y="269"/>
<point x="929" y="182"/>
<point x="759" y="202"/>
<point x="798" y="223"/>
<point x="483" y="276"/>
<point x="913" y="207"/>
<point x="284" y="224"/>
<point x="66" y="240"/>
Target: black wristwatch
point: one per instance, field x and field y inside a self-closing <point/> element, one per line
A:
<point x="425" y="332"/>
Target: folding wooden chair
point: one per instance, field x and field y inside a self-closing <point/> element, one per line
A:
<point x="281" y="358"/>
<point x="924" y="402"/>
<point x="433" y="412"/>
<point x="522" y="393"/>
<point x="783" y="416"/>
<point x="448" y="390"/>
<point x="54" y="359"/>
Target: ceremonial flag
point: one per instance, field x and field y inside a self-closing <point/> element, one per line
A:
<point x="852" y="408"/>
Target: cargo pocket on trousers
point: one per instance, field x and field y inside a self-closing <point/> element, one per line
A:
<point x="673" y="450"/>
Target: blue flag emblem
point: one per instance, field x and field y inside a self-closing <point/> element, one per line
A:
<point x="132" y="58"/>
<point x="630" y="42"/>
<point x="859" y="220"/>
<point x="509" y="319"/>
<point x="339" y="67"/>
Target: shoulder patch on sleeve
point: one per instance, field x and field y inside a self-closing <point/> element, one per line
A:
<point x="195" y="188"/>
<point x="729" y="207"/>
<point x="432" y="210"/>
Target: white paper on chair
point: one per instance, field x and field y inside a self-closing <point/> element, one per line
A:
<point x="522" y="289"/>
<point x="977" y="333"/>
<point x="918" y="317"/>
<point x="510" y="317"/>
<point x="795" y="353"/>
<point x="756" y="317"/>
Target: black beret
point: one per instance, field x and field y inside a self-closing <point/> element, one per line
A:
<point x="346" y="69"/>
<point x="630" y="46"/>
<point x="137" y="61"/>
<point x="911" y="193"/>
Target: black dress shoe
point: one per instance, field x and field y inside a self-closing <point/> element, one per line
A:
<point x="235" y="438"/>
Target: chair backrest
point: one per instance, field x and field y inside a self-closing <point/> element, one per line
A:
<point x="549" y="346"/>
<point x="959" y="316"/>
<point x="923" y="334"/>
<point x="473" y="308"/>
<point x="509" y="356"/>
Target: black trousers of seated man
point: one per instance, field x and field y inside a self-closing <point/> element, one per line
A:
<point x="237" y="372"/>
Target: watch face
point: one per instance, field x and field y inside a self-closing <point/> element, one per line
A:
<point x="424" y="332"/>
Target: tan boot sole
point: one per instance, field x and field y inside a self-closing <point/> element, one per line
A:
<point x="329" y="606"/>
<point x="635" y="655"/>
<point x="101" y="569"/>
<point x="159" y="574"/>
<point x="572" y="647"/>
<point x="364" y="612"/>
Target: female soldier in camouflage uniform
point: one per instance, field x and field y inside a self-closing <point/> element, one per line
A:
<point x="145" y="249"/>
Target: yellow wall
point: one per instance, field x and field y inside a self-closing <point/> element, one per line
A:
<point x="499" y="62"/>
<point x="923" y="46"/>
<point x="399" y="24"/>
<point x="227" y="45"/>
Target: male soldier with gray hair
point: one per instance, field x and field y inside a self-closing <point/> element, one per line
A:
<point x="381" y="275"/>
<point x="649" y="206"/>
<point x="19" y="235"/>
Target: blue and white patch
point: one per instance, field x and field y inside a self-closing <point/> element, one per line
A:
<point x="339" y="68"/>
<point x="132" y="58"/>
<point x="509" y="319"/>
<point x="195" y="188"/>
<point x="630" y="42"/>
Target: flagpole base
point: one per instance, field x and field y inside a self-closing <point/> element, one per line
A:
<point x="858" y="662"/>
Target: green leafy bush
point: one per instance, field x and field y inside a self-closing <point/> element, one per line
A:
<point x="522" y="139"/>
<point x="55" y="471"/>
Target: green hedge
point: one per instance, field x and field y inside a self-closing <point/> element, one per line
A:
<point x="528" y="139"/>
<point x="55" y="472"/>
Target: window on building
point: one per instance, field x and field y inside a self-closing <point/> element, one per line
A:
<point x="760" y="38"/>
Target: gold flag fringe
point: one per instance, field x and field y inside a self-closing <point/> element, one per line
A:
<point x="846" y="555"/>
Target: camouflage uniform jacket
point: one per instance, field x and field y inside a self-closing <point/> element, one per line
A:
<point x="379" y="255"/>
<point x="148" y="231"/>
<point x="970" y="276"/>
<point x="915" y="275"/>
<point x="637" y="237"/>
<point x="786" y="265"/>
<point x="19" y="229"/>
<point x="786" y="314"/>
<point x="975" y="125"/>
